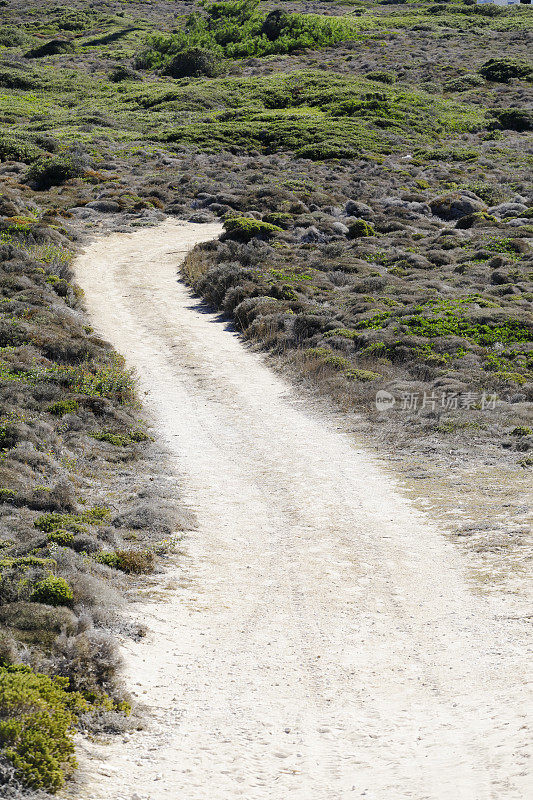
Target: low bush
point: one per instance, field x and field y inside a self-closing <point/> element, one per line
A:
<point x="61" y="537"/>
<point x="47" y="523"/>
<point x="11" y="37"/>
<point x="514" y="119"/>
<point x="243" y="229"/>
<point x="37" y="719"/>
<point x="134" y="562"/>
<point x="360" y="228"/>
<point x="53" y="591"/>
<point x="193" y="62"/>
<point x="382" y="76"/>
<point x="521" y="430"/>
<point x="53" y="171"/>
<point x="120" y="439"/>
<point x="279" y="218"/>
<point x="502" y="70"/>
<point x="13" y="148"/>
<point x="62" y="407"/>
<point x="327" y="149"/>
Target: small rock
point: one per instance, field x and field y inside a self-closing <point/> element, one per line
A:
<point x="104" y="206"/>
<point x="338" y="227"/>
<point x="508" y="209"/>
<point x="456" y="205"/>
<point x="356" y="209"/>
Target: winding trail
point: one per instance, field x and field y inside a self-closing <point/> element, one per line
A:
<point x="320" y="641"/>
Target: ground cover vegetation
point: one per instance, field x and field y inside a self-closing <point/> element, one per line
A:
<point x="370" y="163"/>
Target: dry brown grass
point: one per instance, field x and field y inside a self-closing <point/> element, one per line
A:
<point x="195" y="265"/>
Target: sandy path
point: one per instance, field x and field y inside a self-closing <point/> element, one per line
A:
<point x="321" y="642"/>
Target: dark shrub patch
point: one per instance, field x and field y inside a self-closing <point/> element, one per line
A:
<point x="360" y="228"/>
<point x="275" y="23"/>
<point x="193" y="62"/>
<point x="514" y="119"/>
<point x="53" y="172"/>
<point x="502" y="70"/>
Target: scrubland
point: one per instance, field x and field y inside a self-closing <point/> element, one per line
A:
<point x="371" y="163"/>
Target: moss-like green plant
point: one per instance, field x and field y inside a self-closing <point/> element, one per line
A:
<point x="62" y="407"/>
<point x="54" y="521"/>
<point x="243" y="229"/>
<point x="61" y="537"/>
<point x="53" y="591"/>
<point x="360" y="228"/>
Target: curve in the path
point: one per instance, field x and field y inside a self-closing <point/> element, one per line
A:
<point x="320" y="642"/>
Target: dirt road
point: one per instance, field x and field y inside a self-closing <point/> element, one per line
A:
<point x="320" y="641"/>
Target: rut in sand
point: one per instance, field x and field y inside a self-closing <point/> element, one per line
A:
<point x="321" y="642"/>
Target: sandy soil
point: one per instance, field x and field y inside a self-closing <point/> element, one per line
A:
<point x="317" y="639"/>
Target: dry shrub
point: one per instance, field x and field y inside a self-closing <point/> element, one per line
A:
<point x="89" y="660"/>
<point x="195" y="265"/>
<point x="135" y="562"/>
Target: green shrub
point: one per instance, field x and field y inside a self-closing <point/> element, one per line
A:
<point x="13" y="148"/>
<point x="243" y="229"/>
<point x="53" y="171"/>
<point x="109" y="558"/>
<point x="50" y="522"/>
<point x="362" y="375"/>
<point x="463" y="83"/>
<point x="502" y="70"/>
<point x="37" y="718"/>
<point x="514" y="119"/>
<point x="53" y="521"/>
<point x="61" y="537"/>
<point x="62" y="407"/>
<point x="381" y="76"/>
<point x="120" y="439"/>
<point x="279" y="218"/>
<point x="116" y="439"/>
<point x="360" y="228"/>
<point x="11" y="37"/>
<point x="53" y="591"/>
<point x="122" y="73"/>
<point x="521" y="430"/>
<point x="193" y="62"/>
<point x="238" y="30"/>
<point x="322" y="151"/>
<point x="130" y="561"/>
